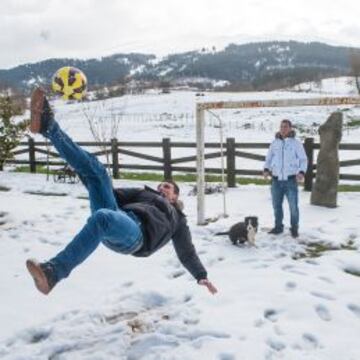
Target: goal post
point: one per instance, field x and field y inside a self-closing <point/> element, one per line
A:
<point x="201" y="107"/>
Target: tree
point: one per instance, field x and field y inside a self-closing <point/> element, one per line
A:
<point x="104" y="118"/>
<point x="355" y="67"/>
<point x="11" y="131"/>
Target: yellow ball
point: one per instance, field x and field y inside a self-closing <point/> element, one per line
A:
<point x="70" y="83"/>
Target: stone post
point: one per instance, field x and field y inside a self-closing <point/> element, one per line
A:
<point x="324" y="192"/>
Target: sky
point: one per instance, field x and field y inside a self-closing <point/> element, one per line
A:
<point x="34" y="30"/>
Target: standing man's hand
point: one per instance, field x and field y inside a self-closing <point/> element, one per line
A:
<point x="300" y="177"/>
<point x="205" y="282"/>
<point x="266" y="174"/>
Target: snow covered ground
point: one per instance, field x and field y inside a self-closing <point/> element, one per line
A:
<point x="332" y="86"/>
<point x="273" y="302"/>
<point x="280" y="300"/>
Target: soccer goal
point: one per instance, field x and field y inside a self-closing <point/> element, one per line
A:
<point x="203" y="107"/>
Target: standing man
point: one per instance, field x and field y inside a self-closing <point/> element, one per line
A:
<point x="286" y="163"/>
<point x="129" y="221"/>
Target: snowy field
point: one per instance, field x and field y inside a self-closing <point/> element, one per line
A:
<point x="275" y="301"/>
<point x="284" y="299"/>
<point x="153" y="116"/>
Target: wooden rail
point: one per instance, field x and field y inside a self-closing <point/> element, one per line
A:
<point x="169" y="164"/>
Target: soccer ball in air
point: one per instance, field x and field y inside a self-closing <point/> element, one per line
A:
<point x="70" y="83"/>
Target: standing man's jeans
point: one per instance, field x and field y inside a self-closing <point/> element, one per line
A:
<point x="118" y="230"/>
<point x="288" y="188"/>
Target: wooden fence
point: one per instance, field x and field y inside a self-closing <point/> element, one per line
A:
<point x="168" y="164"/>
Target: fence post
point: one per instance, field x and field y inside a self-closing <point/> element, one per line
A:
<point x="230" y="162"/>
<point x="32" y="160"/>
<point x="309" y="175"/>
<point x="166" y="145"/>
<point x="115" y="158"/>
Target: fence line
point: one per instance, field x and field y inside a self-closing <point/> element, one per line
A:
<point x="168" y="164"/>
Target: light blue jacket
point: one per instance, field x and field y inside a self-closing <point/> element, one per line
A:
<point x="286" y="157"/>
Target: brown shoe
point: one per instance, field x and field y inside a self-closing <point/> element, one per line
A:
<point x="43" y="275"/>
<point x="36" y="109"/>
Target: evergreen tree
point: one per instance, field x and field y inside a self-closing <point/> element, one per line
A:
<point x="11" y="131"/>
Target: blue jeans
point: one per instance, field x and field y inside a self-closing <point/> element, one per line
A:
<point x="118" y="230"/>
<point x="288" y="188"/>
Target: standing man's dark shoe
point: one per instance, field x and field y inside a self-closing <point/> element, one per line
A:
<point x="294" y="233"/>
<point x="276" y="231"/>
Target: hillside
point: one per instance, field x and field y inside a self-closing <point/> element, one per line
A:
<point x="253" y="66"/>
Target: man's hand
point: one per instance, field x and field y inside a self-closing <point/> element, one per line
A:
<point x="266" y="174"/>
<point x="300" y="177"/>
<point x="209" y="285"/>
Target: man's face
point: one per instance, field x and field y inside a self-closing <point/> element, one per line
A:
<point x="285" y="129"/>
<point x="168" y="191"/>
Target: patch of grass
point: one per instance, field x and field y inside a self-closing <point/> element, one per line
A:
<point x="353" y="123"/>
<point x="153" y="176"/>
<point x="141" y="176"/>
<point x="43" y="193"/>
<point x="348" y="188"/>
<point x="248" y="181"/>
<point x="39" y="169"/>
<point x="148" y="176"/>
<point x="350" y="245"/>
<point x="314" y="250"/>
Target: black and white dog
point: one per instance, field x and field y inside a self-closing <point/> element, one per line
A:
<point x="242" y="232"/>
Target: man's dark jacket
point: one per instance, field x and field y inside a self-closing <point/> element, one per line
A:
<point x="161" y="221"/>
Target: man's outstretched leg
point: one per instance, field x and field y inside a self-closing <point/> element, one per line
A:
<point x="118" y="230"/>
<point x="90" y="170"/>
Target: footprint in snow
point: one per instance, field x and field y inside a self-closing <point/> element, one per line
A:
<point x="322" y="295"/>
<point x="293" y="270"/>
<point x="176" y="274"/>
<point x="323" y="312"/>
<point x="271" y="314"/>
<point x="213" y="261"/>
<point x="310" y="341"/>
<point x="290" y="285"/>
<point x="226" y="356"/>
<point x="249" y="260"/>
<point x="191" y="321"/>
<point x="259" y="323"/>
<point x="278" y="330"/>
<point x="261" y="266"/>
<point x="312" y="262"/>
<point x="326" y="279"/>
<point x="187" y="298"/>
<point x="37" y="336"/>
<point x="275" y="344"/>
<point x="152" y="343"/>
<point x="355" y="309"/>
<point x="127" y="284"/>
